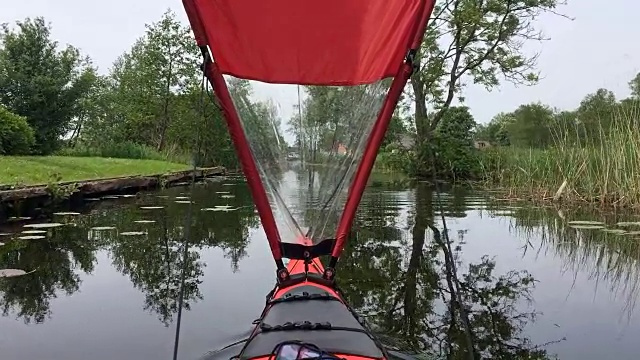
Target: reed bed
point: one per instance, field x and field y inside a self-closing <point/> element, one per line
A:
<point x="602" y="168"/>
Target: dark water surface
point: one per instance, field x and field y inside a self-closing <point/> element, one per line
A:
<point x="111" y="293"/>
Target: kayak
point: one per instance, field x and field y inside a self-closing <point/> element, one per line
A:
<point x="307" y="317"/>
<point x="352" y="44"/>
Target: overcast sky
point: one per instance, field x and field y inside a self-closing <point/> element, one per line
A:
<point x="599" y="48"/>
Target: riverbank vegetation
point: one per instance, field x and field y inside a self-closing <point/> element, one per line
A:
<point x="149" y="105"/>
<point x="33" y="170"/>
<point x="589" y="154"/>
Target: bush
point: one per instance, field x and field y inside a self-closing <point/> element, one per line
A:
<point x="16" y="136"/>
<point x="125" y="150"/>
<point x="394" y="159"/>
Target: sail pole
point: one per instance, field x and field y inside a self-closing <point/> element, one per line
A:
<point x="238" y="137"/>
<point x="375" y="140"/>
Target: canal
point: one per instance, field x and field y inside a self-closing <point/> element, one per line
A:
<point x="104" y="283"/>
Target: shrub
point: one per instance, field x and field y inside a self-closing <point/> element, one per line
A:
<point x="16" y="136"/>
<point x="124" y="150"/>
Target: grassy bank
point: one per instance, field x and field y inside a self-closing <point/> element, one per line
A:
<point x="32" y="170"/>
<point x="605" y="172"/>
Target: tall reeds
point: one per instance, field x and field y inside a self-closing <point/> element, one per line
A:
<point x="600" y="164"/>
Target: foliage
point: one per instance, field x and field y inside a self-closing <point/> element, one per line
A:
<point x="261" y="123"/>
<point x="146" y="86"/>
<point x="634" y="85"/>
<point x="596" y="170"/>
<point x="451" y="148"/>
<point x="16" y="136"/>
<point x="405" y="294"/>
<point x="41" y="82"/>
<point x="126" y="150"/>
<point x="477" y="41"/>
<point x="331" y="116"/>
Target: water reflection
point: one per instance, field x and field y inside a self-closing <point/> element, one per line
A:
<point x="146" y="245"/>
<point x="409" y="286"/>
<point x="482" y="293"/>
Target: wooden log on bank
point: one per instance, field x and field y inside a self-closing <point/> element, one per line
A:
<point x="109" y="185"/>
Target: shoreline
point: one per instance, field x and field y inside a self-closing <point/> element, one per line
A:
<point x="108" y="185"/>
<point x="12" y="200"/>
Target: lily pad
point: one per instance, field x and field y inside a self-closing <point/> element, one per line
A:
<point x="587" y="227"/>
<point x="151" y="207"/>
<point x="144" y="221"/>
<point x="615" y="231"/>
<point x="67" y="213"/>
<point x="19" y="218"/>
<point x="585" y="222"/>
<point x="34" y="232"/>
<point x="132" y="233"/>
<point x="32" y="237"/>
<point x="220" y="208"/>
<point x="7" y="273"/>
<point x="43" y="225"/>
<point x="103" y="228"/>
<point x="628" y="224"/>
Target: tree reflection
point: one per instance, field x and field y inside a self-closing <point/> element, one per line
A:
<point x="608" y="253"/>
<point x="414" y="296"/>
<point x="55" y="262"/>
<point x="155" y="263"/>
<point x="152" y="256"/>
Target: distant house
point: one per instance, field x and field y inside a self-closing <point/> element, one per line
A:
<point x="341" y="149"/>
<point x="481" y="144"/>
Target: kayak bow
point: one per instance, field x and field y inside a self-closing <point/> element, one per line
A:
<point x="311" y="311"/>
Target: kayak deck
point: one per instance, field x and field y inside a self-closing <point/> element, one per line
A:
<point x="309" y="309"/>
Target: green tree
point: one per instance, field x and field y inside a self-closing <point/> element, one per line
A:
<point x="531" y="126"/>
<point x="145" y="86"/>
<point x="596" y="114"/>
<point x="496" y="130"/>
<point x="40" y="81"/>
<point x="634" y="85"/>
<point x="452" y="144"/>
<point x="16" y="136"/>
<point x="473" y="40"/>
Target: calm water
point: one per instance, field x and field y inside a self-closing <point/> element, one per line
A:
<point x="111" y="293"/>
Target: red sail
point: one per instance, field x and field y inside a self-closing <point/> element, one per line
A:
<point x="308" y="42"/>
<point x="328" y="42"/>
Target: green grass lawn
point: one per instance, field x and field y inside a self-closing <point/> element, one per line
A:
<point x="32" y="170"/>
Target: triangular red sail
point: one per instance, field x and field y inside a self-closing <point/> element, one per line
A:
<point x="308" y="42"/>
<point x="328" y="42"/>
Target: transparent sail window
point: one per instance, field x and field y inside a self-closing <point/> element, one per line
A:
<point x="307" y="142"/>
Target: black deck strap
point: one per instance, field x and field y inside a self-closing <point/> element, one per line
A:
<point x="304" y="252"/>
<point x="304" y="296"/>
<point x="306" y="325"/>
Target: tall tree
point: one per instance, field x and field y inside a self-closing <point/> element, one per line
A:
<point x="40" y="81"/>
<point x="473" y="40"/>
<point x="147" y="81"/>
